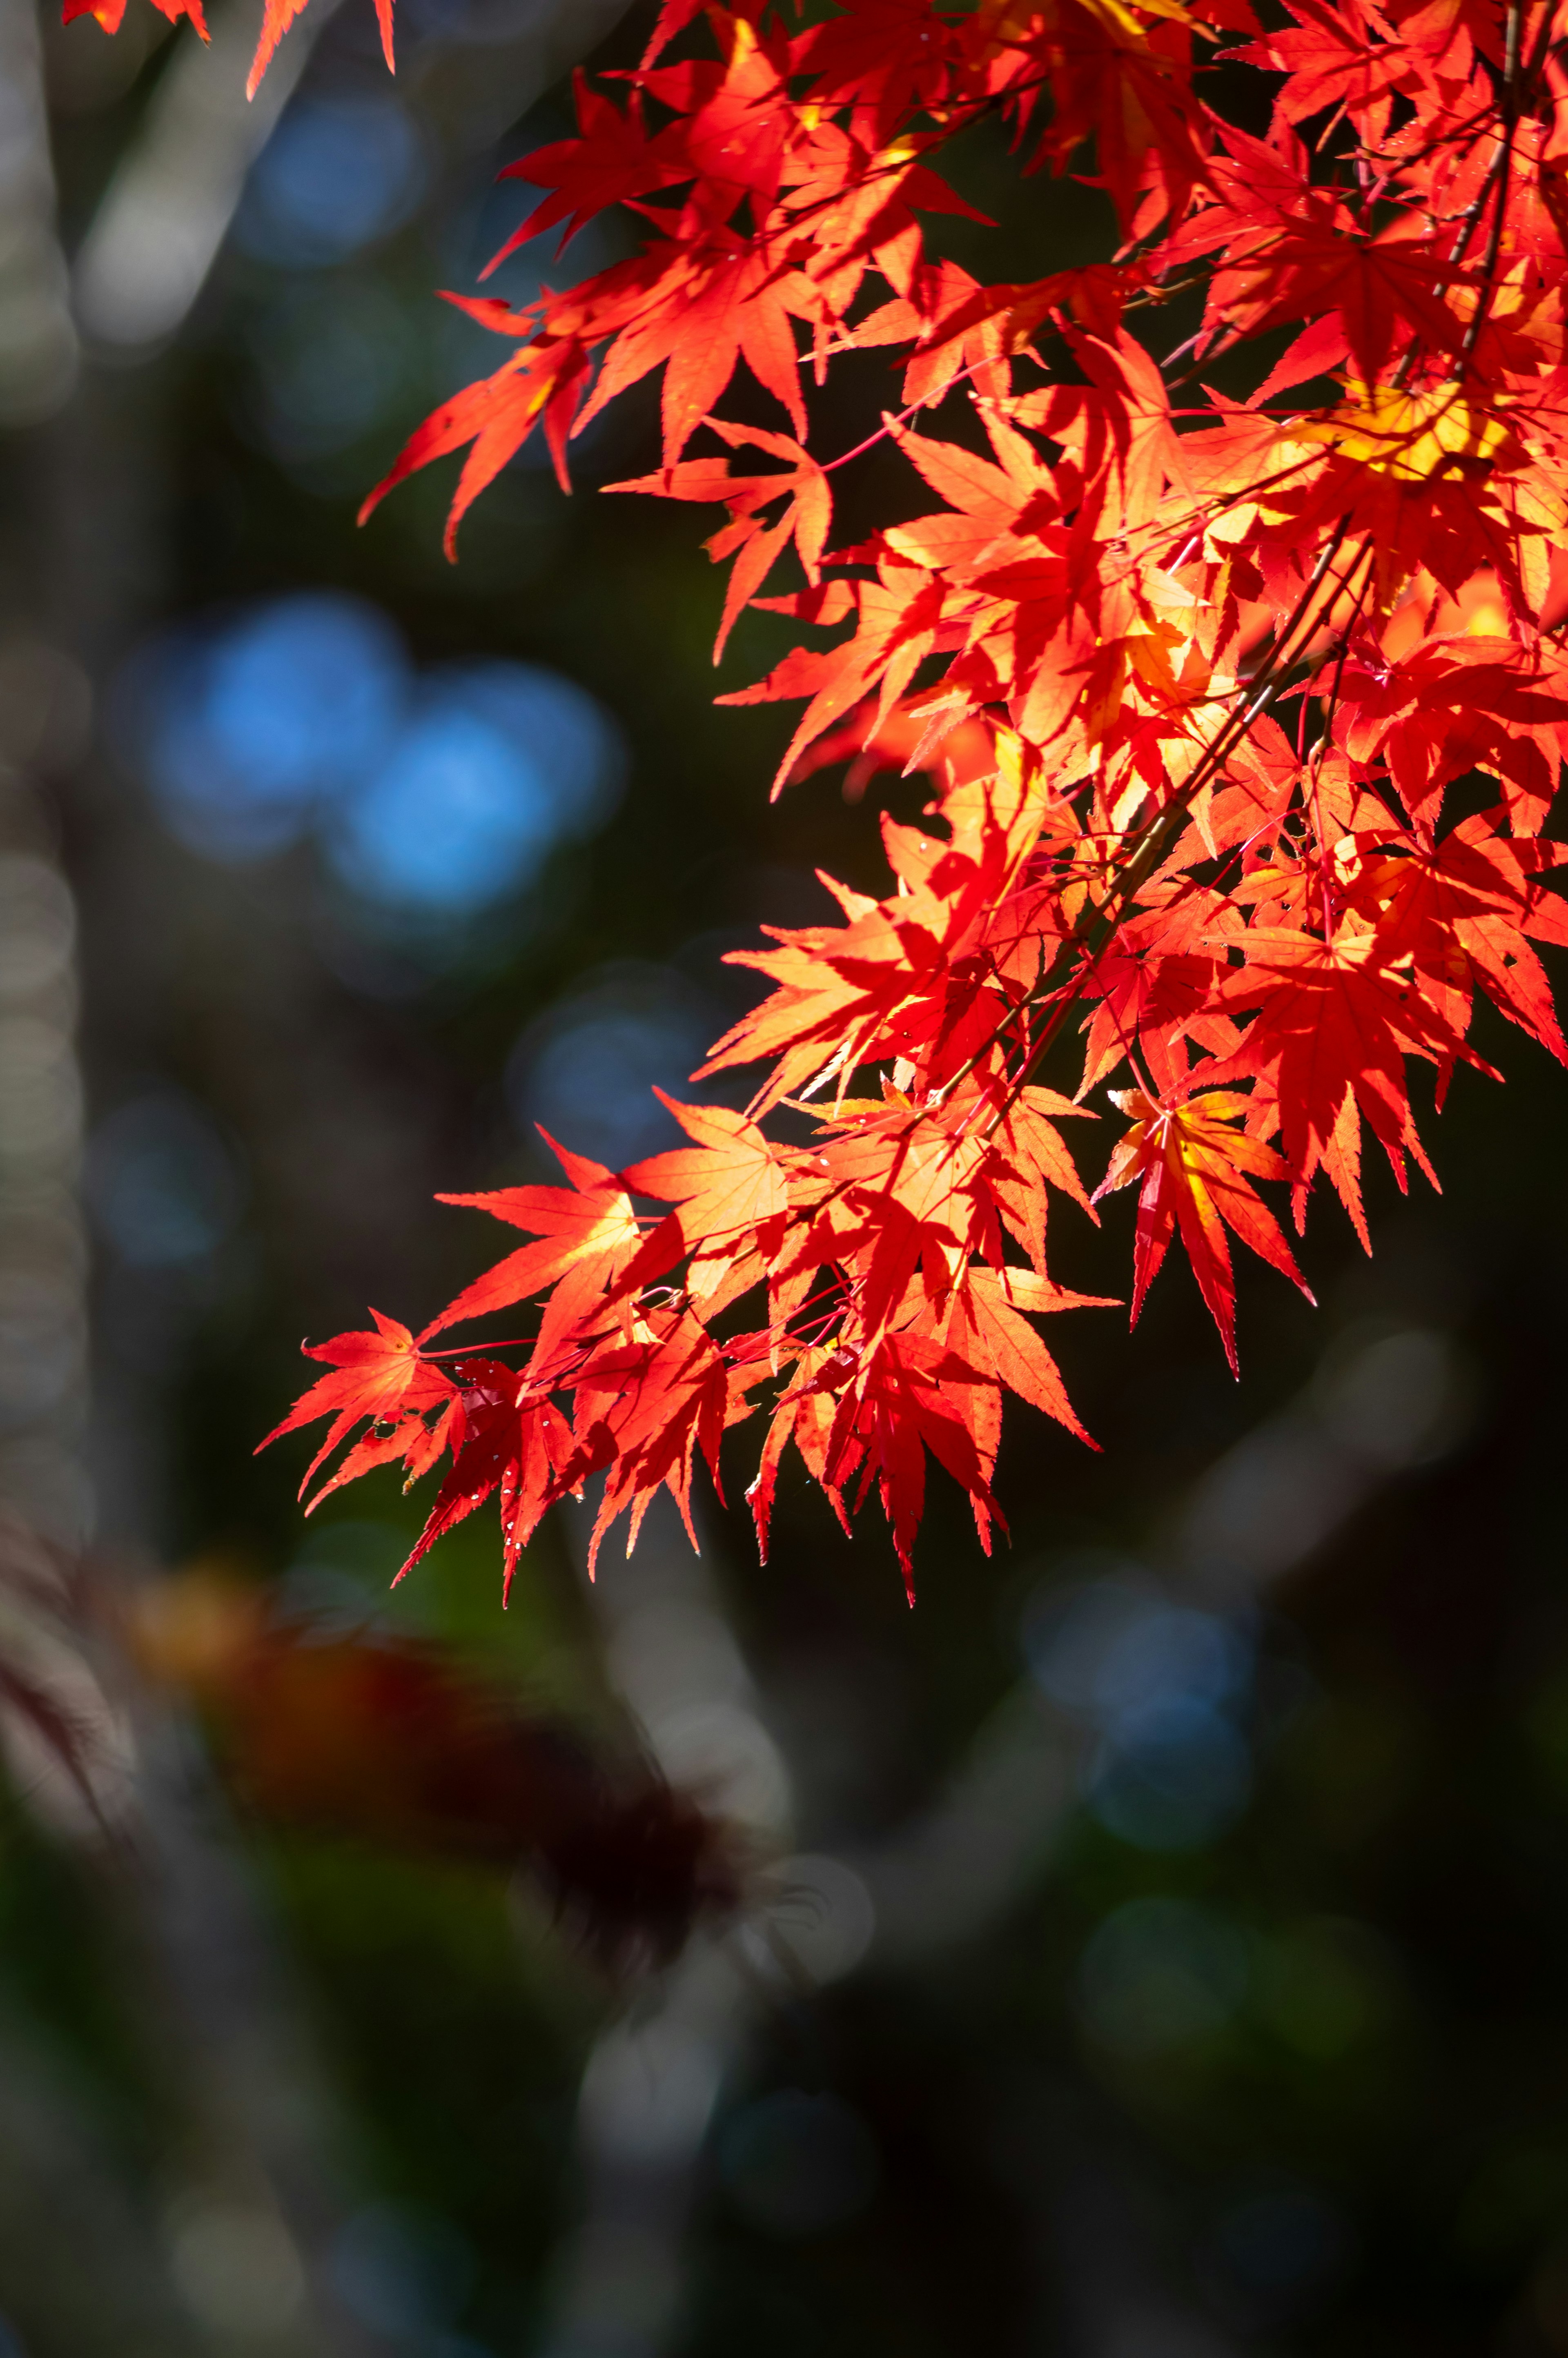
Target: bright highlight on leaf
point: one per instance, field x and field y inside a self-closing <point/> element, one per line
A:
<point x="1197" y="1173"/>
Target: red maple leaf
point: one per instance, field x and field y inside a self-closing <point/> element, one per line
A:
<point x="755" y="545"/>
<point x="1197" y="1170"/>
<point x="381" y="1374"/>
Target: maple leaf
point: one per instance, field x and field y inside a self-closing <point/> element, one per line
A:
<point x="909" y="1395"/>
<point x="880" y="59"/>
<point x="645" y="1409"/>
<point x="502" y="1440"/>
<point x="1334" y="1021"/>
<point x="754" y="544"/>
<point x="1028" y="1153"/>
<point x="1329" y="62"/>
<point x="900" y="740"/>
<point x="804" y="1416"/>
<point x="380" y="1374"/>
<point x="1125" y="88"/>
<point x="732" y="1201"/>
<point x="730" y="303"/>
<point x="395" y="1738"/>
<point x="540" y="383"/>
<point x="886" y="982"/>
<point x="587" y="1232"/>
<point x="111" y="14"/>
<point x="1121" y="429"/>
<point x="1197" y="1170"/>
<point x="985" y="1328"/>
<point x="728" y="1183"/>
<point x="1293" y="251"/>
<point x="1472" y="902"/>
<point x="896" y="630"/>
<point x="738" y="123"/>
<point x="276" y="17"/>
<point x="610" y="159"/>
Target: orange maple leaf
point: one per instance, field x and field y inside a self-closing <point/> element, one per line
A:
<point x="1197" y="1170"/>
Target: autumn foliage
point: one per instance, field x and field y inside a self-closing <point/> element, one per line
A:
<point x="1191" y="675"/>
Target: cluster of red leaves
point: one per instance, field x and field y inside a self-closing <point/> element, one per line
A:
<point x="1089" y="644"/>
<point x="892" y="1316"/>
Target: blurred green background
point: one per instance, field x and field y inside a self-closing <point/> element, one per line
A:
<point x="1159" y="1946"/>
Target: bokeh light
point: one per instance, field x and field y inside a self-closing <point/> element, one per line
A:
<point x="242" y="730"/>
<point x="498" y="762"/>
<point x="402" y="2273"/>
<point x="1160" y="1973"/>
<point x="331" y="359"/>
<point x="1274" y="2251"/>
<point x="436" y="796"/>
<point x="1164" y="1687"/>
<point x="161" y="1184"/>
<point x="586" y="1071"/>
<point x="337" y="174"/>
